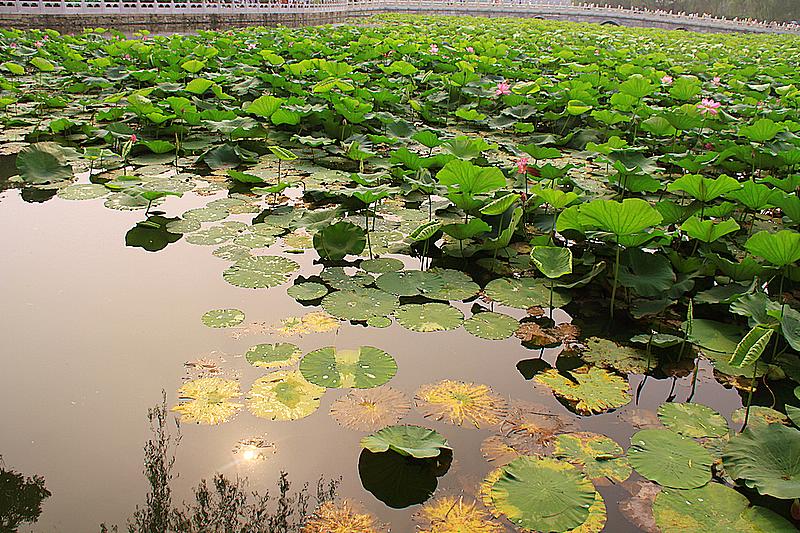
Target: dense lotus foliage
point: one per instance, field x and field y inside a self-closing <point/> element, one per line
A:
<point x="465" y="176"/>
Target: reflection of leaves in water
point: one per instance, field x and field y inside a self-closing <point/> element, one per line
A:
<point x="528" y="429"/>
<point x="457" y="402"/>
<point x="400" y="481"/>
<point x="207" y="400"/>
<point x="453" y="515"/>
<point x="20" y="498"/>
<point x="341" y="517"/>
<point x="254" y="449"/>
<point x="370" y="409"/>
<point x="151" y="234"/>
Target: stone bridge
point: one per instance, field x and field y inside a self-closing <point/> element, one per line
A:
<point x="183" y="15"/>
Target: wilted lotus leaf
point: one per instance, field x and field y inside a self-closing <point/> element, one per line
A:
<point x="594" y="390"/>
<point x="362" y="368"/>
<point x="414" y="441"/>
<point x="315" y="322"/>
<point x="370" y="409"/>
<point x="207" y="400"/>
<point x="304" y="292"/>
<point x="597" y="455"/>
<point x="453" y="515"/>
<point x="82" y="191"/>
<point x="523" y="293"/>
<point x="693" y="420"/>
<point x="260" y="272"/>
<point x="223" y="318"/>
<point x="491" y="326"/>
<point x="360" y="304"/>
<point x="638" y="509"/>
<point x="608" y="354"/>
<point x="529" y="429"/>
<point x="298" y="240"/>
<point x="542" y="494"/>
<point x="338" y="278"/>
<point x="766" y="458"/>
<point x="502" y="449"/>
<point x="382" y="265"/>
<point x="759" y="416"/>
<point x="669" y="459"/>
<point x="410" y="282"/>
<point x="332" y="517"/>
<point x="429" y="317"/>
<point x="283" y="395"/>
<point x="254" y="449"/>
<point x="457" y="285"/>
<point x="533" y="334"/>
<point x="273" y="355"/>
<point x="714" y="507"/>
<point x="457" y="402"/>
<point x="206" y="214"/>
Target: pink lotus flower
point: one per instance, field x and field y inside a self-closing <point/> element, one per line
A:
<point x="38" y="44"/>
<point x="13" y="45"/>
<point x="708" y="146"/>
<point x="470" y="50"/>
<point x="134" y="138"/>
<point x="126" y="57"/>
<point x="667" y="80"/>
<point x="434" y="49"/>
<point x="502" y="88"/>
<point x="252" y="46"/>
<point x="522" y="165"/>
<point x="708" y="106"/>
<point x="716" y="81"/>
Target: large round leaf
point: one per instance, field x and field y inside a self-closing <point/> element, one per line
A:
<point x="283" y="395"/>
<point x="273" y="355"/>
<point x="410" y="282"/>
<point x="361" y="304"/>
<point x="223" y="318"/>
<point x="542" y="494"/>
<point x="43" y="163"/>
<point x="429" y="317"/>
<point x="630" y="216"/>
<point x="457" y="285"/>
<point x="260" y="272"/>
<point x="524" y="293"/>
<point x="670" y="459"/>
<point x="608" y="354"/>
<point x="363" y="368"/>
<point x="336" y="241"/>
<point x="458" y="402"/>
<point x="414" y="441"/>
<point x="597" y="455"/>
<point x="208" y="400"/>
<point x="591" y="389"/>
<point x="766" y="458"/>
<point x="693" y="420"/>
<point x="491" y="326"/>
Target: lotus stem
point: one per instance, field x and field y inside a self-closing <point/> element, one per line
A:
<point x="750" y="395"/>
<point x="616" y="276"/>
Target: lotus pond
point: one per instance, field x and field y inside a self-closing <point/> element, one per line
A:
<point x="497" y="275"/>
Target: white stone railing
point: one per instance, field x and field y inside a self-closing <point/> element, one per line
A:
<point x="544" y="8"/>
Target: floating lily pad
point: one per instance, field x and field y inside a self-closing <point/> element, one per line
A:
<point x="670" y="459"/>
<point x="608" y="354"/>
<point x="766" y="458"/>
<point x="260" y="272"/>
<point x="597" y="455"/>
<point x="413" y="441"/>
<point x="759" y="416"/>
<point x="370" y="409"/>
<point x="409" y="282"/>
<point x="82" y="191"/>
<point x="693" y="420"/>
<point x="715" y="336"/>
<point x="231" y="252"/>
<point x="379" y="322"/>
<point x="273" y="355"/>
<point x="542" y="494"/>
<point x="333" y="517"/>
<point x="307" y="291"/>
<point x="429" y="317"/>
<point x="458" y="402"/>
<point x="283" y="395"/>
<point x="361" y="304"/>
<point x="267" y="230"/>
<point x="594" y="390"/>
<point x="211" y="236"/>
<point x="254" y="240"/>
<point x="714" y="507"/>
<point x="315" y="322"/>
<point x="450" y="514"/>
<point x="457" y="285"/>
<point x="491" y="326"/>
<point x="208" y="400"/>
<point x="382" y="265"/>
<point x="206" y="214"/>
<point x="128" y="201"/>
<point x="338" y="278"/>
<point x="183" y="226"/>
<point x="223" y="318"/>
<point x="362" y="368"/>
<point x="524" y="293"/>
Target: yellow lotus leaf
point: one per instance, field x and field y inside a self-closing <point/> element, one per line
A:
<point x="454" y="515"/>
<point x="456" y="402"/>
<point x="207" y="400"/>
<point x="333" y="517"/>
<point x="594" y="390"/>
<point x="316" y="322"/>
<point x="283" y="395"/>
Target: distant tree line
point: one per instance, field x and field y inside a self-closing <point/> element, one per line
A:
<point x="781" y="10"/>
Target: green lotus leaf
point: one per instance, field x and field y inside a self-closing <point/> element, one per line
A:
<point x="500" y="205"/>
<point x="597" y="455"/>
<point x="750" y="348"/>
<point x="457" y="285"/>
<point x="410" y="282"/>
<point x="714" y="507"/>
<point x="414" y="441"/>
<point x="223" y="318"/>
<point x="469" y="179"/>
<point x="761" y="131"/>
<point x="360" y="304"/>
<point x="715" y="336"/>
<point x="524" y="293"/>
<point x="628" y="217"/>
<point x="766" y="458"/>
<point x="591" y="389"/>
<point x="759" y="416"/>
<point x="336" y="241"/>
<point x="339" y="279"/>
<point x="253" y="240"/>
<point x="283" y="395"/>
<point x="708" y="231"/>
<point x="780" y="249"/>
<point x="206" y="214"/>
<point x="273" y="355"/>
<point x="608" y="354"/>
<point x="264" y="106"/>
<point x="82" y="191"/>
<point x="649" y="275"/>
<point x="693" y="420"/>
<point x="307" y="291"/>
<point x="491" y="326"/>
<point x="542" y="494"/>
<point x="428" y="317"/>
<point x="211" y="236"/>
<point x="552" y="261"/>
<point x="670" y="459"/>
<point x="260" y="272"/>
<point x="469" y="230"/>
<point x="382" y="265"/>
<point x="362" y="368"/>
<point x="704" y="189"/>
<point x="43" y="163"/>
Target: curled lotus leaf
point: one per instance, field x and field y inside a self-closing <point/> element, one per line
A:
<point x="362" y="368"/>
<point x="361" y="304"/>
<point x="260" y="272"/>
<point x="458" y="402"/>
<point x="273" y="355"/>
<point x="370" y="409"/>
<point x="208" y="400"/>
<point x="414" y="441"/>
<point x="429" y="317"/>
<point x="381" y="265"/>
<point x="714" y="507"/>
<point x="542" y="494"/>
<point x="223" y="318"/>
<point x="314" y="322"/>
<point x="597" y="455"/>
<point x="594" y="390"/>
<point x="670" y="459"/>
<point x="410" y="282"/>
<point x="455" y="515"/>
<point x="304" y="292"/>
<point x="693" y="420"/>
<point x="608" y="354"/>
<point x="283" y="395"/>
<point x="524" y="293"/>
<point x="341" y="517"/>
<point x="457" y="285"/>
<point x="491" y="326"/>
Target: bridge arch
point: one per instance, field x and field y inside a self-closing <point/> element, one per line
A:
<point x="609" y="23"/>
